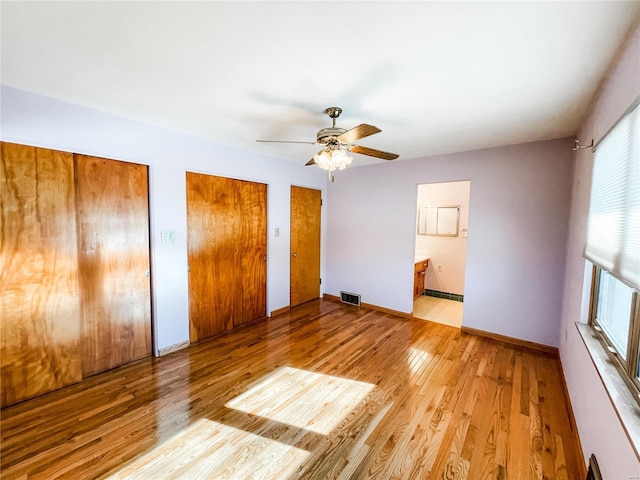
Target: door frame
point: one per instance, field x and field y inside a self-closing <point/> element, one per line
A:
<point x="460" y="228"/>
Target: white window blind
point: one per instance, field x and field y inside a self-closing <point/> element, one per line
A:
<point x="613" y="231"/>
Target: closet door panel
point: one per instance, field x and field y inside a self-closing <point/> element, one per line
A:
<point x="226" y="222"/>
<point x="113" y="254"/>
<point x="253" y="211"/>
<point x="212" y="224"/>
<point x="40" y="327"/>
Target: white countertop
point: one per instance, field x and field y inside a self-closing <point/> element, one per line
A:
<point x="421" y="258"/>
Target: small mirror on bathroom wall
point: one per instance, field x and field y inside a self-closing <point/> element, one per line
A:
<point x="441" y="221"/>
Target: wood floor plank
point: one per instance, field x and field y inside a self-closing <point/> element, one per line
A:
<point x="323" y="391"/>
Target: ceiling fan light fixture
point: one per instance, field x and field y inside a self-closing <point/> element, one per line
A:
<point x="332" y="159"/>
<point x="339" y="143"/>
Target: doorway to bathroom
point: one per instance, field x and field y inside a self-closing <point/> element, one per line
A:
<point x="441" y="251"/>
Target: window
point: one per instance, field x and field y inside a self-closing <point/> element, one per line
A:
<point x="613" y="312"/>
<point x="613" y="245"/>
<point x="615" y="316"/>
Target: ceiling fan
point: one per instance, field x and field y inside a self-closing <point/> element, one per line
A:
<point x="338" y="142"/>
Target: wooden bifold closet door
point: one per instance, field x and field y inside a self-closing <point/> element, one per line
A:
<point x="40" y="326"/>
<point x="227" y="248"/>
<point x="74" y="268"/>
<point x="113" y="256"/>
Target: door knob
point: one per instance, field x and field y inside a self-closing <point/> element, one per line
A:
<point x="294" y="254"/>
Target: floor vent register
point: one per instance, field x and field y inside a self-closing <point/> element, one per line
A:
<point x="350" y="298"/>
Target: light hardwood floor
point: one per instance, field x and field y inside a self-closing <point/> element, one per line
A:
<point x="325" y="391"/>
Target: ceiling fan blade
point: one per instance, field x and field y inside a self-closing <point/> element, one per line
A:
<point x="313" y="159"/>
<point x="356" y="133"/>
<point x="285" y="141"/>
<point x="372" y="152"/>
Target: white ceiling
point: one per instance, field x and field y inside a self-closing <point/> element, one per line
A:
<point x="436" y="77"/>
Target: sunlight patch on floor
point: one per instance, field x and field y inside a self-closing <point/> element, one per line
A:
<point x="308" y="400"/>
<point x="208" y="449"/>
<point x="294" y="402"/>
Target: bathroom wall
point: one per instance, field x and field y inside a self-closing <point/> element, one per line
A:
<point x="449" y="252"/>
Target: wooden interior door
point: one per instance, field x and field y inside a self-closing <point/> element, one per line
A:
<point x="306" y="204"/>
<point x="112" y="208"/>
<point x="38" y="273"/>
<point x="253" y="257"/>
<point x="226" y="241"/>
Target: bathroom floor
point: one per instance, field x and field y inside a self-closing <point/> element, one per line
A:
<point x="439" y="310"/>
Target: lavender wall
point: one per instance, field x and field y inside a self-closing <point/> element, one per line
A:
<point x="519" y="210"/>
<point x="450" y="252"/>
<point x="599" y="427"/>
<point x="36" y="120"/>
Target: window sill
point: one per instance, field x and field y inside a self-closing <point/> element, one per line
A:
<point x="626" y="407"/>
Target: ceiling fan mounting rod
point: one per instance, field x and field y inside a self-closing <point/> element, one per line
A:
<point x="333" y="112"/>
